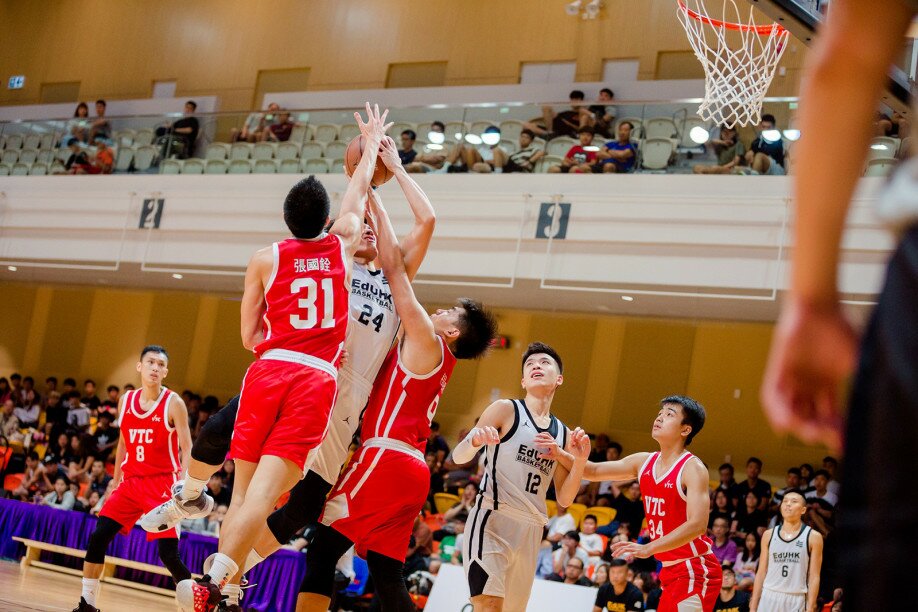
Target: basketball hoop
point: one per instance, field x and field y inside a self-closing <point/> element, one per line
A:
<point x="739" y="60"/>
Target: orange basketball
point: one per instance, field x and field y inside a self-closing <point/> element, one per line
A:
<point x="352" y="156"/>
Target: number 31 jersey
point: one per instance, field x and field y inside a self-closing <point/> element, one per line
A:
<point x="150" y="443"/>
<point x="515" y="477"/>
<point x="306" y="298"/>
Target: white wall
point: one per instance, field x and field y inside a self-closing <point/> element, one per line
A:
<point x="114" y="108"/>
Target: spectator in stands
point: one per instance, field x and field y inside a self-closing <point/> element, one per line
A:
<point x="566" y="123"/>
<point x="560" y="524"/>
<point x="618" y="155"/>
<point x="81" y="457"/>
<point x="58" y="447"/>
<point x="545" y="566"/>
<point x="650" y="590"/>
<point x="629" y="508"/>
<point x="431" y="159"/>
<point x="9" y="423"/>
<point x="101" y="162"/>
<point x="78" y="127"/>
<point x="110" y="403"/>
<point x="459" y="513"/>
<point x="729" y="150"/>
<point x="93" y="503"/>
<point x="829" y="464"/>
<point x="98" y="478"/>
<point x="437" y="443"/>
<point x="280" y="130"/>
<point x="590" y="541"/>
<point x="78" y="161"/>
<point x="255" y="125"/>
<point x="747" y="561"/>
<point x="34" y="479"/>
<point x="526" y="157"/>
<point x="580" y="157"/>
<point x="27" y="393"/>
<point x="619" y="594"/>
<point x="29" y="409"/>
<point x="208" y="525"/>
<point x="61" y="497"/>
<point x="436" y="478"/>
<point x="570" y="549"/>
<point x="821" y="489"/>
<point x="600" y="442"/>
<point x="129" y="387"/>
<point x="767" y="156"/>
<point x="406" y="151"/>
<point x="604" y="113"/>
<point x="485" y="158"/>
<point x="749" y="518"/>
<point x="50" y="384"/>
<point x="731" y="600"/>
<point x="601" y="575"/>
<point x="792" y="481"/>
<point x="69" y="385"/>
<point x="753" y="483"/>
<point x="5" y="391"/>
<point x="77" y="413"/>
<point x="216" y="488"/>
<point x="723" y="547"/>
<point x="100" y="128"/>
<point x="721" y="507"/>
<point x="806" y="477"/>
<point x="573" y="573"/>
<point x="178" y="138"/>
<point x="55" y="412"/>
<point x="607" y="491"/>
<point x="16" y="387"/>
<point x="89" y="395"/>
<point x="895" y="126"/>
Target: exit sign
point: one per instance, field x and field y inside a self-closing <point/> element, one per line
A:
<point x="16" y="82"/>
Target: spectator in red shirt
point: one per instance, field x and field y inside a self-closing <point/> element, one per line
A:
<point x="280" y="131"/>
<point x="581" y="157"/>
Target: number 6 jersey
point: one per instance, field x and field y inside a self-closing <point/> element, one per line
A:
<point x="515" y="477"/>
<point x="151" y="444"/>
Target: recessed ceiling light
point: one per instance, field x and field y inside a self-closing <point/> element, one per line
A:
<point x="177" y="276"/>
<point x="12" y="268"/>
<point x="627" y="298"/>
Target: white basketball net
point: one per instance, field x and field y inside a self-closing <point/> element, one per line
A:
<point x="739" y="59"/>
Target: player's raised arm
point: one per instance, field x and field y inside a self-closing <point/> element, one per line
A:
<point x="414" y="245"/>
<point x="760" y="572"/>
<point x="493" y="423"/>
<point x="178" y="415"/>
<point x="698" y="504"/>
<point x="349" y="224"/>
<point x="253" y="297"/>
<point x="567" y="480"/>
<point x="420" y="343"/>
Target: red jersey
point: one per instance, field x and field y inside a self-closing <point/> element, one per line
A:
<point x="665" y="507"/>
<point x="307" y="299"/>
<point x="402" y="404"/>
<point x="151" y="444"/>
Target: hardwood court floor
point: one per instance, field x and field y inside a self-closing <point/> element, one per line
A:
<point x="49" y="591"/>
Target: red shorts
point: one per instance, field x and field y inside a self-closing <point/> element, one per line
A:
<point x="136" y="496"/>
<point x="693" y="581"/>
<point x="377" y="500"/>
<point x="283" y="411"/>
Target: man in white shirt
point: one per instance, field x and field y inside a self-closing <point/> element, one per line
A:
<point x="590" y="541"/>
<point x="570" y="548"/>
<point x="560" y="524"/>
<point x="821" y="482"/>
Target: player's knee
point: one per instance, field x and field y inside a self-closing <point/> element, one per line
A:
<point x="105" y="531"/>
<point x="320" y="572"/>
<point x="169" y="555"/>
<point x="213" y="442"/>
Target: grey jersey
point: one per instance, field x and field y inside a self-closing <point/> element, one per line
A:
<point x="515" y="477"/>
<point x="788" y="562"/>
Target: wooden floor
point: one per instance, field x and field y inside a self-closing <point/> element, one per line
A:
<point x="40" y="589"/>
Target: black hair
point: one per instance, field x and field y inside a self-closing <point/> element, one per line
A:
<point x="585" y="129"/>
<point x="32" y="455"/>
<point x="808" y="467"/>
<point x="410" y="134"/>
<point x="76" y="111"/>
<point x="721" y="518"/>
<point x="693" y="414"/>
<point x="15" y="376"/>
<point x="830" y="459"/>
<point x="529" y="133"/>
<point x="439" y="123"/>
<point x="62" y="477"/>
<point x="768" y="117"/>
<point x="91" y="381"/>
<point x="106" y="414"/>
<point x="473" y="484"/>
<point x="795" y="471"/>
<point x="616" y="446"/>
<point x="28" y="379"/>
<point x="628" y="123"/>
<point x="152" y="348"/>
<point x="608" y="91"/>
<point x="797" y="491"/>
<point x="754" y="460"/>
<point x="477" y="328"/>
<point x="193" y="104"/>
<point x="725" y="466"/>
<point x="434" y="426"/>
<point x="112" y="388"/>
<point x="71" y="141"/>
<point x="70" y="381"/>
<point x="758" y="497"/>
<point x="102" y="102"/>
<point x="306" y="208"/>
<point x="540" y="347"/>
<point x="492" y="129"/>
<point x="726" y="569"/>
<point x="51" y="379"/>
<point x="591" y="516"/>
<point x="617" y="562"/>
<point x="576" y="95"/>
<point x="822" y="473"/>
<point x="573" y="534"/>
<point x="4" y="381"/>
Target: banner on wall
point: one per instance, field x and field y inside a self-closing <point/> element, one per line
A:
<point x="450" y="593"/>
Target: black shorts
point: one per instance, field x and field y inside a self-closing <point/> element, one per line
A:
<point x="878" y="510"/>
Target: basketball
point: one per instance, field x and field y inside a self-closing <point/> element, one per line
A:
<point x="352" y="156"/>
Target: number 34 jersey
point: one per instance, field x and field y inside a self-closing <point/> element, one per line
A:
<point x="515" y="477"/>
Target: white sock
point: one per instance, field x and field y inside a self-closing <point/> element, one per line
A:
<point x="90" y="586"/>
<point x="231" y="592"/>
<point x="192" y="488"/>
<point x="222" y="569"/>
<point x="252" y="560"/>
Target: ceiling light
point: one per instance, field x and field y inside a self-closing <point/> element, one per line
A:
<point x="177" y="276"/>
<point x="879" y="146"/>
<point x="434" y="146"/>
<point x="771" y="135"/>
<point x="474" y="139"/>
<point x="573" y="8"/>
<point x="627" y="298"/>
<point x="436" y="137"/>
<point x="591" y="10"/>
<point x="699" y="135"/>
<point x="490" y="138"/>
<point x="593" y="148"/>
<point x="792" y="135"/>
<point x="12" y="268"/>
<point x="458" y="136"/>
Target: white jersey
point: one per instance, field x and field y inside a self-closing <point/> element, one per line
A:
<point x="515" y="477"/>
<point x="788" y="562"/>
<point x="373" y="323"/>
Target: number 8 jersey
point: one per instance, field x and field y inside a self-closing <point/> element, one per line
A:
<point x="150" y="442"/>
<point x="306" y="298"/>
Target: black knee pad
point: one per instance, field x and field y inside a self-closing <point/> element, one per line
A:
<point x="213" y="442"/>
<point x="389" y="582"/>
<point x="169" y="555"/>
<point x="105" y="531"/>
<point x="303" y="508"/>
<point x="321" y="558"/>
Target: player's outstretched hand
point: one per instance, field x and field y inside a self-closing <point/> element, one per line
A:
<point x="630" y="550"/>
<point x="388" y="152"/>
<point x="374" y="129"/>
<point x="547" y="445"/>
<point x="812" y="353"/>
<point x="485" y="436"/>
<point x="579" y="444"/>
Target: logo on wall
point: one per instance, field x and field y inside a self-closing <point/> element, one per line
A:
<point x="553" y="220"/>
<point x="151" y="213"/>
